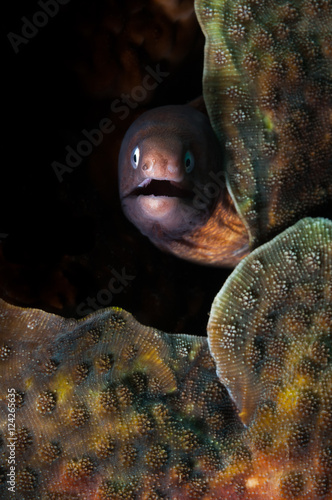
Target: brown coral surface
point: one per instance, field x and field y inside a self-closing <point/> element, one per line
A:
<point x="106" y="408"/>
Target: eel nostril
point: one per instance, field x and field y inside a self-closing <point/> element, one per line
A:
<point x="145" y="167"/>
<point x="171" y="168"/>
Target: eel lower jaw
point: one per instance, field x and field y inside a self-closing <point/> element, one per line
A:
<point x="152" y="207"/>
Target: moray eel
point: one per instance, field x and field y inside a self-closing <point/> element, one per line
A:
<point x="173" y="189"/>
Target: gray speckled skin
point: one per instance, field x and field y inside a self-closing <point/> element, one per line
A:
<point x="187" y="212"/>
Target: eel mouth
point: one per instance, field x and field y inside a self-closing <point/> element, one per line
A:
<point x="155" y="187"/>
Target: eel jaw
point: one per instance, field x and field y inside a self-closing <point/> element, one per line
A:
<point x="162" y="188"/>
<point x="159" y="200"/>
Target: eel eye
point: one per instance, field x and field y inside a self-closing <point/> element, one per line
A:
<point x="189" y="162"/>
<point x="135" y="157"/>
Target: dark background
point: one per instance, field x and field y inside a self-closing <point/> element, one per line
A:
<point x="61" y="240"/>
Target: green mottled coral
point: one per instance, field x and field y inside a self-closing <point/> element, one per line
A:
<point x="112" y="410"/>
<point x="268" y="90"/>
<point x="270" y="333"/>
<point x="109" y="409"/>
